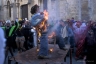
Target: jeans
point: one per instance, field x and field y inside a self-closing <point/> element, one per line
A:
<point x="43" y="45"/>
<point x="72" y="41"/>
<point x="66" y="40"/>
<point x="60" y="41"/>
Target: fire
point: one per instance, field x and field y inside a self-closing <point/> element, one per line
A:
<point x="45" y="14"/>
<point x="51" y="35"/>
<point x="37" y="50"/>
<point x="51" y="49"/>
<point x="39" y="34"/>
<point x="43" y="25"/>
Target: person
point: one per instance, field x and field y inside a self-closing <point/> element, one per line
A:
<point x="36" y="19"/>
<point x="72" y="20"/>
<point x="2" y="46"/>
<point x="10" y="37"/>
<point x="90" y="48"/>
<point x="27" y="34"/>
<point x="71" y="37"/>
<point x="80" y="34"/>
<point x="93" y="27"/>
<point x="20" y="39"/>
<point x="59" y="35"/>
<point x="64" y="32"/>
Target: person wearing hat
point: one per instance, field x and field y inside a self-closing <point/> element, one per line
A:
<point x="20" y="39"/>
<point x="9" y="35"/>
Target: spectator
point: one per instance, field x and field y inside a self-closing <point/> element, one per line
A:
<point x="90" y="48"/>
<point x="2" y="45"/>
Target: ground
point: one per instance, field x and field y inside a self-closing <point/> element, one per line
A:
<point x="67" y="60"/>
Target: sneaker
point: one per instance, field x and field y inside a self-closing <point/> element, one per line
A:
<point x="43" y="57"/>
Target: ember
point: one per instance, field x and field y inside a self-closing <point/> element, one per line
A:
<point x="37" y="50"/>
<point x="51" y="35"/>
<point x="51" y="50"/>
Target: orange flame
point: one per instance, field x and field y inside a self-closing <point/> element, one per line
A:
<point x="52" y="35"/>
<point x="37" y="50"/>
<point x="45" y="14"/>
<point x="51" y="50"/>
<point x="43" y="25"/>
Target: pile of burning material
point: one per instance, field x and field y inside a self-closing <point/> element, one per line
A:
<point x="52" y="38"/>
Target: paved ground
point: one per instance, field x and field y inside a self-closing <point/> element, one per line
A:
<point x="74" y="61"/>
<point x="67" y="60"/>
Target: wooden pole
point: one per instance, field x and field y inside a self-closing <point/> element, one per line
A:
<point x="37" y="37"/>
<point x="70" y="55"/>
<point x="54" y="41"/>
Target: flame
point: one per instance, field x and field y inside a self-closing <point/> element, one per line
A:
<point x="52" y="35"/>
<point x="37" y="50"/>
<point x="39" y="34"/>
<point x="51" y="50"/>
<point x="45" y="14"/>
<point x="43" y="24"/>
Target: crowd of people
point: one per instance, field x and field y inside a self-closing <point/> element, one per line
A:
<point x="18" y="36"/>
<point x="79" y="34"/>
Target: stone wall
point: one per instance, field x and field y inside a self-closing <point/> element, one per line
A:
<point x="58" y="9"/>
<point x="94" y="10"/>
<point x="79" y="9"/>
<point x="0" y="10"/>
<point x="85" y="10"/>
<point x="63" y="9"/>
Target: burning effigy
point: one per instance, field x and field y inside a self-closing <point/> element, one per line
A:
<point x="39" y="21"/>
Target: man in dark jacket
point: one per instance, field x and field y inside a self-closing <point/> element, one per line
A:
<point x="9" y="34"/>
<point x="90" y="48"/>
<point x="20" y="39"/>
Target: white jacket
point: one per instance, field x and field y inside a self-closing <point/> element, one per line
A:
<point x="2" y="45"/>
<point x="64" y="32"/>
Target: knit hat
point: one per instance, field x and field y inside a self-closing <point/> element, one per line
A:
<point x="8" y="21"/>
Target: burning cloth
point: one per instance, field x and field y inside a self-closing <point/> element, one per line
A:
<point x="38" y="21"/>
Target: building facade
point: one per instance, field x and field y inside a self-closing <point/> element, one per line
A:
<point x="66" y="9"/>
<point x="58" y="9"/>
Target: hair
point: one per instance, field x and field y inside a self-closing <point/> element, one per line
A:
<point x="12" y="21"/>
<point x="72" y="17"/>
<point x="34" y="9"/>
<point x="21" y="22"/>
<point x="61" y="20"/>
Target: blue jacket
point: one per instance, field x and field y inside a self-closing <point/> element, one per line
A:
<point x="58" y="30"/>
<point x="36" y="19"/>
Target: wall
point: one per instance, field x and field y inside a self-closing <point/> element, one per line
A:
<point x="58" y="9"/>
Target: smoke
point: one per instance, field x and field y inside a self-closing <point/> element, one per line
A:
<point x="53" y="11"/>
<point x="53" y="25"/>
<point x="53" y="21"/>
